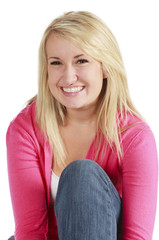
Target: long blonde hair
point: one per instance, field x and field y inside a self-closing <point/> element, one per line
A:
<point x="95" y="38"/>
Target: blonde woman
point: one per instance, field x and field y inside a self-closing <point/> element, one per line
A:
<point x="82" y="162"/>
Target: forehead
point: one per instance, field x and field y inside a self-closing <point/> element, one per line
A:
<point x="60" y="45"/>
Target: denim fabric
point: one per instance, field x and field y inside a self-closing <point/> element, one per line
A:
<point x="87" y="205"/>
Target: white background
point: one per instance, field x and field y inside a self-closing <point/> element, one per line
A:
<point x="135" y="23"/>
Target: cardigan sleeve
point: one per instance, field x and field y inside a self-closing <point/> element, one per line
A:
<point x="139" y="177"/>
<point x="26" y="184"/>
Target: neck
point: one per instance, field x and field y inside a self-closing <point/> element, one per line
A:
<point x="81" y="116"/>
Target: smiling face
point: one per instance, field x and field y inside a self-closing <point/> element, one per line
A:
<point x="75" y="79"/>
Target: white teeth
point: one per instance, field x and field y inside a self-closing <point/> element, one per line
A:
<point x="73" y="89"/>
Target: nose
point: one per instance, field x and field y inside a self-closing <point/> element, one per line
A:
<point x="69" y="75"/>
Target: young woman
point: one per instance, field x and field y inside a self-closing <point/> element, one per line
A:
<point x="82" y="162"/>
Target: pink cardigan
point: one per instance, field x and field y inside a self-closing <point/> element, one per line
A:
<point x="29" y="168"/>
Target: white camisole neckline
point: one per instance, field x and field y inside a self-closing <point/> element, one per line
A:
<point x="54" y="184"/>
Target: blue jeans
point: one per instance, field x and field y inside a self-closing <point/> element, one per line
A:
<point x="87" y="205"/>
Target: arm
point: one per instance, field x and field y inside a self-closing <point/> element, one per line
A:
<point x="140" y="187"/>
<point x="26" y="185"/>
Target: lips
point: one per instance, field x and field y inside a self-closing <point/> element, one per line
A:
<point x="72" y="89"/>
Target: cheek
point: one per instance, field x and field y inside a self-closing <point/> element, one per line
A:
<point x="51" y="84"/>
<point x="98" y="83"/>
<point x="52" y="78"/>
<point x="98" y="78"/>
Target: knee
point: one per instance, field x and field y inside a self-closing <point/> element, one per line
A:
<point x="77" y="173"/>
<point x="79" y="181"/>
<point x="84" y="181"/>
<point x="82" y="175"/>
<point x="84" y="169"/>
<point x="81" y="164"/>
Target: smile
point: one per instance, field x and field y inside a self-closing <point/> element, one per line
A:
<point x="73" y="89"/>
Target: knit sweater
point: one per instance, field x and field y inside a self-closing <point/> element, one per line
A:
<point x="29" y="168"/>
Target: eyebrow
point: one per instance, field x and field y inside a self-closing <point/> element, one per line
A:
<point x="77" y="56"/>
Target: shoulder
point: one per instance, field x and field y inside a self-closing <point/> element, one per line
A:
<point x="26" y="115"/>
<point x="131" y="126"/>
<point x="137" y="139"/>
<point x="24" y="125"/>
<point x="135" y="132"/>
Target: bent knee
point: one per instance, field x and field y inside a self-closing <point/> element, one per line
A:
<point x="84" y="170"/>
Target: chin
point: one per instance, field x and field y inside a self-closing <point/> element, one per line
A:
<point x="74" y="107"/>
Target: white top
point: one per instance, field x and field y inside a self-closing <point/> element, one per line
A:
<point x="54" y="184"/>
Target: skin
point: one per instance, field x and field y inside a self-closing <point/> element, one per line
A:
<point x="69" y="67"/>
<point x="75" y="80"/>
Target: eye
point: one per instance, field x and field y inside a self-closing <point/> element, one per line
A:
<point x="55" y="63"/>
<point x="82" y="61"/>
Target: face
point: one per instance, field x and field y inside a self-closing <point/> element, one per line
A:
<point x="75" y="79"/>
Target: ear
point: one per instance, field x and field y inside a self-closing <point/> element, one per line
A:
<point x="104" y="76"/>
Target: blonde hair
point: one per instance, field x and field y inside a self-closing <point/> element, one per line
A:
<point x="95" y="38"/>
